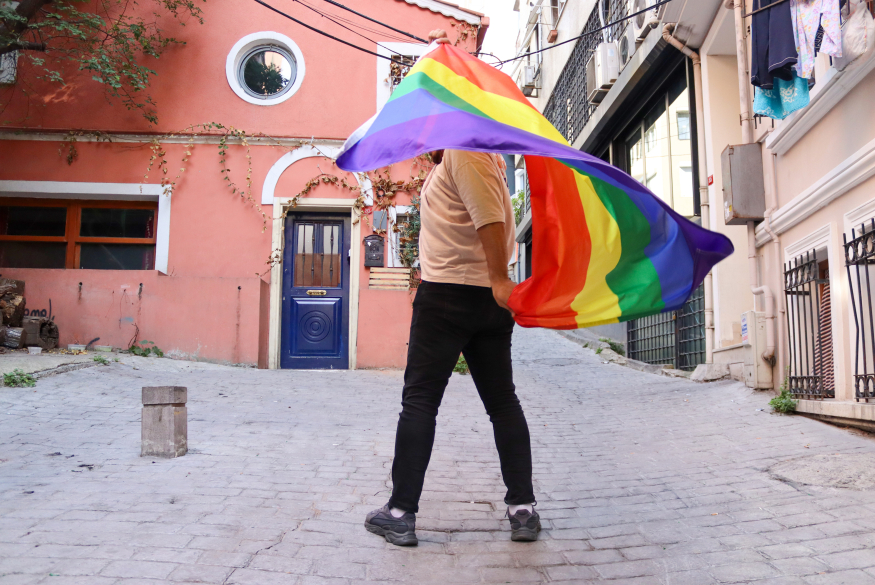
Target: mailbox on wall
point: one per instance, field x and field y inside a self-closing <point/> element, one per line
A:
<point x="374" y="251"/>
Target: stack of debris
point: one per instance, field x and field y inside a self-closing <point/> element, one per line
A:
<point x="18" y="331"/>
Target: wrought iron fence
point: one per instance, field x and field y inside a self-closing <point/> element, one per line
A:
<point x="807" y="364"/>
<point x="676" y="338"/>
<point x="860" y="254"/>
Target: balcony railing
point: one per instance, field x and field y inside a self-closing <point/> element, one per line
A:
<point x="568" y="108"/>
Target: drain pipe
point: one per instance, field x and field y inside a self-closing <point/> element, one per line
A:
<point x="765" y="291"/>
<point x="743" y="78"/>
<point x="747" y="138"/>
<point x="704" y="202"/>
<point x="776" y="240"/>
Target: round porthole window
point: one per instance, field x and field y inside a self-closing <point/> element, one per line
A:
<point x="267" y="72"/>
<point x="265" y="68"/>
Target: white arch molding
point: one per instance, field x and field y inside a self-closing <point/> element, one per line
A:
<point x="268" y="192"/>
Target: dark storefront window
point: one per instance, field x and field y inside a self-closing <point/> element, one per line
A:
<point x="658" y="148"/>
<point x="77" y="234"/>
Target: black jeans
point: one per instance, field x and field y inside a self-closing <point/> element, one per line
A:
<point x="449" y="319"/>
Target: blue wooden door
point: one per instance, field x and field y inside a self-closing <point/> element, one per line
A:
<point x="315" y="321"/>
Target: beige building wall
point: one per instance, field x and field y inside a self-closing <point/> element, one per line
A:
<point x="842" y="132"/>
<point x="846" y="129"/>
<point x="732" y="295"/>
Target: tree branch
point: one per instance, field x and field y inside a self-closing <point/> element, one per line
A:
<point x="22" y="46"/>
<point x="27" y="9"/>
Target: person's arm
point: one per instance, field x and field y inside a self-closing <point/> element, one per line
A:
<point x="492" y="236"/>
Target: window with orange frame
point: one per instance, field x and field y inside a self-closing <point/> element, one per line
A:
<point x="62" y="233"/>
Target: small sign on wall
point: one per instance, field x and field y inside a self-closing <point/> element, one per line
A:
<point x="745" y="330"/>
<point x="381" y="220"/>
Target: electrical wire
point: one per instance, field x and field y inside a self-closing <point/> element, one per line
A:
<point x="586" y="34"/>
<point x="323" y="15"/>
<point x="352" y="23"/>
<point x="407" y="34"/>
<point x="325" y="34"/>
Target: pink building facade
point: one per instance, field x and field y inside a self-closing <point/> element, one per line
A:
<point x="112" y="254"/>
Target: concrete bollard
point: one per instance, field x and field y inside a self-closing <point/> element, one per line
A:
<point x="165" y="421"/>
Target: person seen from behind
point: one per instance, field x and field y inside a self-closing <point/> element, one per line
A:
<point x="465" y="244"/>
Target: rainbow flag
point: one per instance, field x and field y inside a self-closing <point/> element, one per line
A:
<point x="604" y="248"/>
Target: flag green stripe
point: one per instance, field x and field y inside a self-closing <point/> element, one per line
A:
<point x="634" y="280"/>
<point x="439" y="92"/>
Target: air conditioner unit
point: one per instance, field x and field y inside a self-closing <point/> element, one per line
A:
<point x="529" y="80"/>
<point x="627" y="46"/>
<point x="602" y="71"/>
<point x="642" y="23"/>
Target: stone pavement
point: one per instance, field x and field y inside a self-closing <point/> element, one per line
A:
<point x="29" y="364"/>
<point x="641" y="480"/>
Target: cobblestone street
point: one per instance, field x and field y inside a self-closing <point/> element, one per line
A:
<point x="640" y="479"/>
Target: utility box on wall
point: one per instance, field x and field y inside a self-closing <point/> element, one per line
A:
<point x="757" y="372"/>
<point x="744" y="190"/>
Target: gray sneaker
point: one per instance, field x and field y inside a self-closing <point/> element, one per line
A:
<point x="524" y="525"/>
<point x="398" y="531"/>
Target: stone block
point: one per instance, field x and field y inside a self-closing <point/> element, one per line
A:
<point x="164" y="395"/>
<point x="645" y="367"/>
<point x="710" y="372"/>
<point x="164" y="422"/>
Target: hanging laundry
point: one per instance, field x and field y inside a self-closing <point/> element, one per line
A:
<point x="773" y="43"/>
<point x="858" y="35"/>
<point x="808" y="17"/>
<point x="783" y="99"/>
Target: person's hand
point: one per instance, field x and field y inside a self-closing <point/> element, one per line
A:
<point x="501" y="291"/>
<point x="439" y="36"/>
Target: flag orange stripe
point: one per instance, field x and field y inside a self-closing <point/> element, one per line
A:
<point x="480" y="74"/>
<point x="564" y="247"/>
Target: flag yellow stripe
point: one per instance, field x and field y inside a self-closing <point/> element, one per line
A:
<point x="597" y="302"/>
<point x="499" y="108"/>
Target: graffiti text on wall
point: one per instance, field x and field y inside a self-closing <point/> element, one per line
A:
<point x="39" y="312"/>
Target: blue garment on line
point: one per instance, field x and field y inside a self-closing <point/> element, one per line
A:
<point x="783" y="99"/>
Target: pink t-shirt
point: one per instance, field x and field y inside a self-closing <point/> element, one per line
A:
<point x="462" y="194"/>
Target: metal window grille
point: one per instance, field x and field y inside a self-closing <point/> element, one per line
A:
<point x="652" y="339"/>
<point x="568" y="108"/>
<point x="802" y="288"/>
<point x="528" y="198"/>
<point x="398" y="72"/>
<point x="860" y="254"/>
<point x="691" y="331"/>
<point x="616" y="9"/>
<point x="676" y="338"/>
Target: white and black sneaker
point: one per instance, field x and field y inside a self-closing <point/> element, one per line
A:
<point x="524" y="525"/>
<point x="399" y="531"/>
